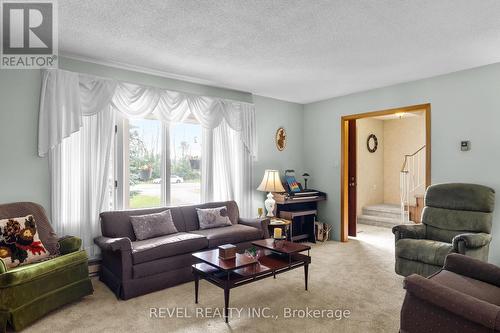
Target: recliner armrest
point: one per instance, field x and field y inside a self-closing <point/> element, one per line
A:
<point x="69" y="244"/>
<point x="470" y="241"/>
<point x="473" y="268"/>
<point x="260" y="223"/>
<point x="113" y="244"/>
<point x="415" y="231"/>
<point x="454" y="301"/>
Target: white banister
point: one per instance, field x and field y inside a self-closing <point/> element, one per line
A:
<point x="411" y="180"/>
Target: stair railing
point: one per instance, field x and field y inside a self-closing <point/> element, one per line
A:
<point x="411" y="179"/>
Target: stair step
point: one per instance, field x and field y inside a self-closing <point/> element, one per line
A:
<point x="380" y="221"/>
<point x="383" y="210"/>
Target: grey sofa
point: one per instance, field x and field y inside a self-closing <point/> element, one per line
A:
<point x="131" y="268"/>
<point x="457" y="218"/>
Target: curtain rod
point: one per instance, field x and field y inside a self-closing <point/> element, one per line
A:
<point x="148" y="86"/>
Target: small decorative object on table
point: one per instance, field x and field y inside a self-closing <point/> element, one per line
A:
<point x="283" y="224"/>
<point x="278" y="233"/>
<point x="260" y="212"/>
<point x="278" y="236"/>
<point x="255" y="253"/>
<point x="227" y="251"/>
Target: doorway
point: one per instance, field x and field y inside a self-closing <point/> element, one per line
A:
<point x="350" y="144"/>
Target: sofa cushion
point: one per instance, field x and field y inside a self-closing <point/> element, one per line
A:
<point x="153" y="225"/>
<point x="453" y="221"/>
<point x="116" y="224"/>
<point x="475" y="288"/>
<point x="191" y="217"/>
<point x="19" y="242"/>
<point x="44" y="229"/>
<point x="423" y="250"/>
<point x="213" y="217"/>
<point x="233" y="234"/>
<point x="162" y="265"/>
<point x="167" y="246"/>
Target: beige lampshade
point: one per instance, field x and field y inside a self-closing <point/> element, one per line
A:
<point x="271" y="182"/>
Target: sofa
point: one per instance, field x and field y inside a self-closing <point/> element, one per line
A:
<point x="462" y="297"/>
<point x="132" y="267"/>
<point x="29" y="292"/>
<point x="457" y="218"/>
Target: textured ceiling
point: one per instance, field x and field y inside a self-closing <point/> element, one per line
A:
<point x="300" y="51"/>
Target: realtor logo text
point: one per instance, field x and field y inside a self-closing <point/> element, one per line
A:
<point x="257" y="312"/>
<point x="29" y="34"/>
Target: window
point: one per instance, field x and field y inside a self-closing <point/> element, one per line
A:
<point x="143" y="164"/>
<point x="185" y="153"/>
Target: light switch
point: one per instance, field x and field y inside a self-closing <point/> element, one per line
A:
<point x="465" y="145"/>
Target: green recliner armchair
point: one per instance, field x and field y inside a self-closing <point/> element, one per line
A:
<point x="457" y="218"/>
<point x="30" y="291"/>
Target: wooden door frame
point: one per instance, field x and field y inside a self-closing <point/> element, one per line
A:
<point x="344" y="142"/>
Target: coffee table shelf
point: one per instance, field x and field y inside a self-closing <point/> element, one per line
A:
<point x="276" y="258"/>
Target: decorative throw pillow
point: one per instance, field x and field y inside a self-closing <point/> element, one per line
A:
<point x="153" y="225"/>
<point x="19" y="242"/>
<point x="213" y="217"/>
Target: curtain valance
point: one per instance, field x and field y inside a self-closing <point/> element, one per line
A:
<point x="67" y="97"/>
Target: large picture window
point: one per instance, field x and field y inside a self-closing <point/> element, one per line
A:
<point x="153" y="176"/>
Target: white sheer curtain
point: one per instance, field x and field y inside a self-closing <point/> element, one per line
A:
<point x="232" y="168"/>
<point x="76" y="131"/>
<point x="79" y="175"/>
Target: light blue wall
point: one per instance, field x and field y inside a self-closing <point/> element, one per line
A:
<point x="25" y="177"/>
<point x="272" y="114"/>
<point x="465" y="106"/>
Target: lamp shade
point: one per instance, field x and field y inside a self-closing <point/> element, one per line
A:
<point x="271" y="182"/>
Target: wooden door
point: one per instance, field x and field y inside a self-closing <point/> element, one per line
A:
<point x="351" y="158"/>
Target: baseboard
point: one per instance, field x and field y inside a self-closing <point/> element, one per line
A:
<point x="94" y="267"/>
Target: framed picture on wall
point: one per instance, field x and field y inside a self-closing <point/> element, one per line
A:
<point x="280" y="139"/>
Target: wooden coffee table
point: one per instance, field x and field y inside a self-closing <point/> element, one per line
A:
<point x="277" y="257"/>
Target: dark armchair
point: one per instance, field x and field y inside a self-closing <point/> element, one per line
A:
<point x="463" y="297"/>
<point x="457" y="218"/>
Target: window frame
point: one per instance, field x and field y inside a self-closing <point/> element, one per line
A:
<point x="121" y="166"/>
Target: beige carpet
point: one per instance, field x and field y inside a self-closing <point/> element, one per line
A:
<point x="357" y="276"/>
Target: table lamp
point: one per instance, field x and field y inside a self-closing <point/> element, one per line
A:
<point x="271" y="183"/>
<point x="306" y="177"/>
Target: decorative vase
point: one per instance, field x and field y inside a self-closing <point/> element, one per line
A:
<point x="270" y="203"/>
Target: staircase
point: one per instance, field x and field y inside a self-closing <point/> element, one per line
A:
<point x="411" y="184"/>
<point x="382" y="215"/>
